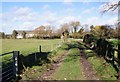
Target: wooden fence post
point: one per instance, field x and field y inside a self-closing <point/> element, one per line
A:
<point x="119" y="53"/>
<point x="15" y="68"/>
<point x="40" y="48"/>
<point x="35" y="56"/>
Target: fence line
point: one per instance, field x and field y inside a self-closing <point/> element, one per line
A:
<point x="10" y="69"/>
<point x="105" y="49"/>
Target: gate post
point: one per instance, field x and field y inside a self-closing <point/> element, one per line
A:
<point x="15" y="59"/>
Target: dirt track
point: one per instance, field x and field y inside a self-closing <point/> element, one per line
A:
<point x="46" y="75"/>
<point x="87" y="68"/>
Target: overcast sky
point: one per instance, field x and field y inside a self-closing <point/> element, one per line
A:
<point x="30" y="15"/>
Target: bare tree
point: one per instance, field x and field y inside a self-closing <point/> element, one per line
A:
<point x="48" y="30"/>
<point x="39" y="32"/>
<point x="81" y="32"/>
<point x="74" y="25"/>
<point x="14" y="34"/>
<point x="110" y="6"/>
<point x="65" y="27"/>
<point x="114" y="6"/>
<point x="91" y="28"/>
<point x="2" y="35"/>
<point x="24" y="33"/>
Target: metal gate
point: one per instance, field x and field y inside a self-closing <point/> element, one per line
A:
<point x="9" y="67"/>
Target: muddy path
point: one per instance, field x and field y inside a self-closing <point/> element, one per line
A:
<point x="87" y="69"/>
<point x="51" y="70"/>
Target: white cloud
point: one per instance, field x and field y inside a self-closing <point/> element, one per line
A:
<point x="0" y="22"/>
<point x="26" y="26"/>
<point x="22" y="11"/>
<point x="20" y="14"/>
<point x="100" y="21"/>
<point x="46" y="6"/>
<point x="25" y="14"/>
<point x="7" y="27"/>
<point x="87" y="11"/>
<point x="19" y="18"/>
<point x="0" y="16"/>
<point x="27" y="19"/>
<point x="69" y="11"/>
<point x="46" y="24"/>
<point x="67" y="19"/>
<point x="92" y="20"/>
<point x="49" y="16"/>
<point x="24" y="18"/>
<point x="112" y="20"/>
<point x="68" y="2"/>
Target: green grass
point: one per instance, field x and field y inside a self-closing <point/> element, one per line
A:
<point x="70" y="68"/>
<point x="114" y="41"/>
<point x="35" y="72"/>
<point x="89" y="53"/>
<point x="103" y="69"/>
<point x="27" y="46"/>
<point x="54" y="56"/>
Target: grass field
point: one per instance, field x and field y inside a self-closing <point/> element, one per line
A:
<point x="28" y="46"/>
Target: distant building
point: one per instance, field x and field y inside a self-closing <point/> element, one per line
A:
<point x="40" y="32"/>
<point x="43" y="32"/>
<point x="28" y="34"/>
<point x="19" y="36"/>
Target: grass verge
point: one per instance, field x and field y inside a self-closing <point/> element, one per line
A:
<point x="70" y="68"/>
<point x="104" y="70"/>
